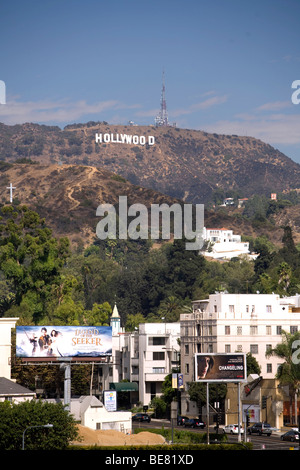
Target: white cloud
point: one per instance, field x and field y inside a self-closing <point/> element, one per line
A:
<point x="275" y="106"/>
<point x="208" y="103"/>
<point x="18" y="112"/>
<point x="274" y="129"/>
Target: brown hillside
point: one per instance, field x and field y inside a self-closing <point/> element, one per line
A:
<point x="186" y="164"/>
<point x="68" y="196"/>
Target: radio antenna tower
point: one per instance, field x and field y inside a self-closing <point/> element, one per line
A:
<point x="162" y="118"/>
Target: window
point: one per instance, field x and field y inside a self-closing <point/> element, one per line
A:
<point x="278" y="330"/>
<point x="156" y="340"/>
<point x="253" y="309"/>
<point x="253" y="329"/>
<point x="227" y="330"/>
<point x="247" y="308"/>
<point x="158" y="370"/>
<point x="227" y="348"/>
<point x="239" y="348"/>
<point x="239" y="330"/>
<point x="187" y="368"/>
<point x="268" y="346"/>
<point x="254" y="348"/>
<point x="158" y="356"/>
<point x="186" y="349"/>
<point x="269" y="308"/>
<point x="268" y="330"/>
<point x="231" y="308"/>
<point x="269" y="368"/>
<point x="293" y="329"/>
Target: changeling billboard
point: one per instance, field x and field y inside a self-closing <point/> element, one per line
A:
<point x="63" y="341"/>
<point x="220" y="367"/>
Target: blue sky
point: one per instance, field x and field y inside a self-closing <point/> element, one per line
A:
<point x="229" y="64"/>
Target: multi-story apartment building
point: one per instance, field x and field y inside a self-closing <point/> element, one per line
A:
<point x="143" y="357"/>
<point x="149" y="354"/>
<point x="228" y="323"/>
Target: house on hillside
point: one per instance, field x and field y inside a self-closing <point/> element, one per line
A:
<point x="222" y="243"/>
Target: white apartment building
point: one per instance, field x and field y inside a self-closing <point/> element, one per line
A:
<point x="228" y="323"/>
<point x="224" y="244"/>
<point x="143" y="357"/>
<point x="149" y="355"/>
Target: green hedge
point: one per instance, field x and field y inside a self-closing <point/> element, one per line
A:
<point x="171" y="447"/>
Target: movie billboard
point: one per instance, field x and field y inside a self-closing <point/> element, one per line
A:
<point x="63" y="341"/>
<point x="220" y="367"/>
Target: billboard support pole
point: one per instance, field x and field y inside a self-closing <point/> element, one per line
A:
<point x="239" y="412"/>
<point x="67" y="385"/>
<point x="207" y="411"/>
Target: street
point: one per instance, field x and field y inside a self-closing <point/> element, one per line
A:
<point x="259" y="442"/>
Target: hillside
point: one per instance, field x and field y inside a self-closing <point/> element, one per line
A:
<point x="185" y="164"/>
<point x="68" y="196"/>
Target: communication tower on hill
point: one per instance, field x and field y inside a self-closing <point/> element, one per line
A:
<point x="161" y="119"/>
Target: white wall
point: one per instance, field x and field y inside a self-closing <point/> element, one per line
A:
<point x="6" y="325"/>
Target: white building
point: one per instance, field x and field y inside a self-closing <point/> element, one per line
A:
<point x="143" y="358"/>
<point x="6" y="325"/>
<point x="149" y="355"/>
<point x="229" y="323"/>
<point x="224" y="244"/>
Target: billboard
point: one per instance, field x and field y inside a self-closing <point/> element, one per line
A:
<point x="63" y="341"/>
<point x="220" y="367"/>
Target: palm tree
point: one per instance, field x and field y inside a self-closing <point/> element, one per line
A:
<point x="288" y="372"/>
<point x="285" y="273"/>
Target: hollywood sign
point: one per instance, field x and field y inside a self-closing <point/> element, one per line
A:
<point x="124" y="139"/>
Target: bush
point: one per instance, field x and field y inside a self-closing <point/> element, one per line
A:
<point x="16" y="418"/>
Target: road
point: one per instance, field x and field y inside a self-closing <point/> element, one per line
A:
<point x="259" y="442"/>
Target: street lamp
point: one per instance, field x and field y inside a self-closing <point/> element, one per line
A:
<point x="30" y="427"/>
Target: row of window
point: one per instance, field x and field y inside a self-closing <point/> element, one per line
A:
<point x="248" y="308"/>
<point x="254" y="330"/>
<point x="229" y="330"/>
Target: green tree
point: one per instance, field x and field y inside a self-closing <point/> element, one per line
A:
<point x="30" y="260"/>
<point x="133" y="321"/>
<point x="289" y="371"/>
<point x="99" y="315"/>
<point x="16" y="418"/>
<point x="252" y="365"/>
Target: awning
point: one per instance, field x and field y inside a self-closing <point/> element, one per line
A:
<point x="124" y="386"/>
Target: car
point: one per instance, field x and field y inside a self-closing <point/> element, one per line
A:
<point x="194" y="423"/>
<point x="181" y="420"/>
<point x="260" y="428"/>
<point x="291" y="435"/>
<point x="141" y="417"/>
<point x="232" y="429"/>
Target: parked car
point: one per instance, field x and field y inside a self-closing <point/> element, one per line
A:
<point x="141" y="417"/>
<point x="194" y="423"/>
<point x="291" y="435"/>
<point x="181" y="420"/>
<point x="260" y="428"/>
<point x="232" y="429"/>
